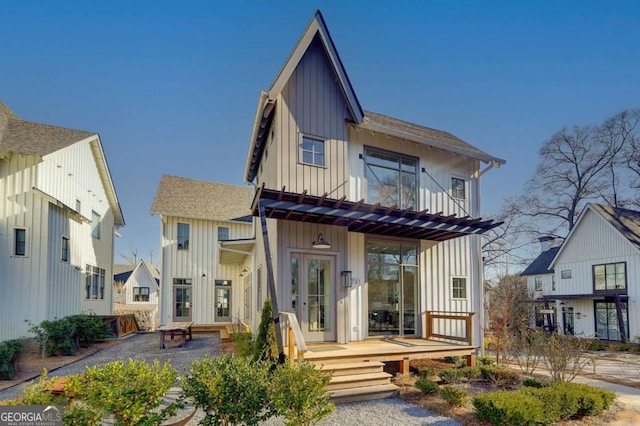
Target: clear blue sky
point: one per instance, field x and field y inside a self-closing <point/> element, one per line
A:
<point x="172" y="86"/>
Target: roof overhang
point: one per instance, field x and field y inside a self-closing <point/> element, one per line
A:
<point x="366" y="218"/>
<point x="589" y="296"/>
<point x="233" y="252"/>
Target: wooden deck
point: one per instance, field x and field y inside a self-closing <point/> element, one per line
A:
<point x="383" y="350"/>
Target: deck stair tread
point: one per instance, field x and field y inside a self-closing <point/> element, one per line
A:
<point x="213" y="328"/>
<point x="353" y="368"/>
<point x="358" y="381"/>
<point x="364" y="393"/>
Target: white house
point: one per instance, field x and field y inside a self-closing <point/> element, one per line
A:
<point x="207" y="237"/>
<point x="597" y="275"/>
<point x="137" y="291"/>
<point x="373" y="222"/>
<point x="58" y="215"/>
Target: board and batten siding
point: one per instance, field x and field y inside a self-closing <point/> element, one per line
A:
<point x="141" y="278"/>
<point x="441" y="167"/>
<point x="201" y="258"/>
<point x="310" y="104"/>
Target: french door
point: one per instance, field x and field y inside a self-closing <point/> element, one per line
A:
<point x="182" y="304"/>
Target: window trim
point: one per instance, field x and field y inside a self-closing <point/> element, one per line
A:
<point x="464" y="188"/>
<point x="25" y="249"/>
<point x="96" y="231"/>
<point x="566" y="274"/>
<point x="595" y="317"/>
<point x="185" y="244"/>
<point x="96" y="284"/>
<point x="141" y="294"/>
<point x="537" y="284"/>
<point x="454" y="288"/>
<point x="416" y="194"/>
<point x="220" y="228"/>
<point x="301" y="150"/>
<point x="66" y="259"/>
<point x="606" y="289"/>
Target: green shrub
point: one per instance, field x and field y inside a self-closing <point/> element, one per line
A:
<point x="624" y="347"/>
<point x="454" y="396"/>
<point x="532" y="382"/>
<point x="597" y="346"/>
<point x="132" y="392"/>
<point x="485" y="360"/>
<point x="63" y="336"/>
<point x="299" y="393"/>
<point x="501" y="376"/>
<point x="427" y="372"/>
<point x="266" y="345"/>
<point x="450" y="375"/>
<point x="511" y="408"/>
<point x="88" y="329"/>
<point x="9" y="351"/>
<point x="229" y="389"/>
<point x="244" y="344"/>
<point x="471" y="373"/>
<point x="427" y="386"/>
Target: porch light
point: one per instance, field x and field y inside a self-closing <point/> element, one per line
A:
<point x="346" y="279"/>
<point x="320" y="243"/>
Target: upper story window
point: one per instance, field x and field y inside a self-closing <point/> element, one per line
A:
<point x="610" y="277"/>
<point x="312" y="151"/>
<point x="95" y="225"/>
<point x="141" y="294"/>
<point x="538" y="283"/>
<point x="183" y="236"/>
<point x="223" y="233"/>
<point x="20" y="242"/>
<point x="459" y="287"/>
<point x="458" y="188"/>
<point x="78" y="206"/>
<point x="566" y="274"/>
<point x="391" y="179"/>
<point x="182" y="281"/>
<point x="65" y="249"/>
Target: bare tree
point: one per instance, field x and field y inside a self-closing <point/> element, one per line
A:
<point x="132" y="257"/>
<point x="505" y="245"/>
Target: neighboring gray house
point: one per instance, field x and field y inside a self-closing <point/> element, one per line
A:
<point x="207" y="240"/>
<point x="541" y="281"/>
<point x="597" y="275"/>
<point x="58" y="215"/>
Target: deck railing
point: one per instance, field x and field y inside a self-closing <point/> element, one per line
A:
<point x="456" y="326"/>
<point x="294" y="341"/>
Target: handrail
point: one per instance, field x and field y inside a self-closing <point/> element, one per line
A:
<point x="295" y="339"/>
<point x="460" y="316"/>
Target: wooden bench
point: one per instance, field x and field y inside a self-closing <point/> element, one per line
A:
<point x="173" y="329"/>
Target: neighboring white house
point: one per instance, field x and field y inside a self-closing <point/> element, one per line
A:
<point x="597" y="275"/>
<point x="136" y="291"/>
<point x="207" y="237"/>
<point x="372" y="221"/>
<point x="58" y="215"/>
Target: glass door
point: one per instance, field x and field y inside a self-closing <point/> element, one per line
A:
<point x="392" y="276"/>
<point x="223" y="301"/>
<point x="314" y="296"/>
<point x="182" y="304"/>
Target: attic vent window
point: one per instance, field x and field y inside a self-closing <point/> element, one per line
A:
<point x="312" y="152"/>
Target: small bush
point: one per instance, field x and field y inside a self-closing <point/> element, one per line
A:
<point x="501" y="376"/>
<point x="88" y="329"/>
<point x="9" y="351"/>
<point x="511" y="408"/>
<point x="63" y="336"/>
<point x="532" y="382"/>
<point x="299" y="394"/>
<point x="229" y="389"/>
<point x="471" y="373"/>
<point x="624" y="347"/>
<point x="451" y="375"/>
<point x="427" y="386"/>
<point x="454" y="396"/>
<point x="266" y="345"/>
<point x="597" y="346"/>
<point x="244" y="343"/>
<point x="427" y="372"/>
<point x="485" y="360"/>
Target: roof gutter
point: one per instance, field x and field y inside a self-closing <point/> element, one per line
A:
<point x="262" y="102"/>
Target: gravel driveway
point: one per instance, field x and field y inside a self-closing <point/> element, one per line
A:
<point x="389" y="411"/>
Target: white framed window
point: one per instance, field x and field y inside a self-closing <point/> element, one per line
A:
<point x="94" y="284"/>
<point x="223" y="233"/>
<point x="458" y="188"/>
<point x="95" y="225"/>
<point x="312" y="151"/>
<point x="459" y="287"/>
<point x="183" y="236"/>
<point x="538" y="283"/>
<point x="141" y="294"/>
<point x="19" y="241"/>
<point x="65" y="249"/>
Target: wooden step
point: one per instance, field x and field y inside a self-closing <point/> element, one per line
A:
<point x="353" y="381"/>
<point x="364" y="394"/>
<point x="352" y="368"/>
<point x="213" y="328"/>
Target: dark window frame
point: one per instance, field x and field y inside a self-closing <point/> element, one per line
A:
<point x="401" y="201"/>
<point x="607" y="303"/>
<point x="223" y="233"/>
<point x="141" y="296"/>
<point x="461" y="289"/>
<point x="65" y="248"/>
<point x="455" y="191"/>
<point x="182" y="239"/>
<point x="20" y="242"/>
<point x="606" y="289"/>
<point x="94" y="283"/>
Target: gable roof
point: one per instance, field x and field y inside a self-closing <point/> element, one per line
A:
<point x="122" y="272"/>
<point x="426" y="135"/>
<point x="198" y="199"/>
<point x="266" y="102"/>
<point x="29" y="138"/>
<point x="626" y="222"/>
<point x="542" y="264"/>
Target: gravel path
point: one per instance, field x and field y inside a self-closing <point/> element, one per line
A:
<point x="390" y="411"/>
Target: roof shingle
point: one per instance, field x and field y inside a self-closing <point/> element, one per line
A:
<point x="626" y="221"/>
<point x="540" y="265"/>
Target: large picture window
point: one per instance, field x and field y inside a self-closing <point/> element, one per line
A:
<point x="391" y="179"/>
<point x="94" y="284"/>
<point x="183" y="236"/>
<point x="607" y="326"/>
<point x="610" y="277"/>
<point x="141" y="294"/>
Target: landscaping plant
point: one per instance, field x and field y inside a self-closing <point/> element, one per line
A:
<point x="454" y="396"/>
<point x="266" y="344"/>
<point x="565" y="356"/>
<point x="427" y="386"/>
<point x="230" y="390"/>
<point x="9" y="351"/>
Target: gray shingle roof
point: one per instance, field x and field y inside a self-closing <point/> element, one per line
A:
<point x="627" y="222"/>
<point x="540" y="265"/>
<point x="29" y="138"/>
<point x="198" y="199"/>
